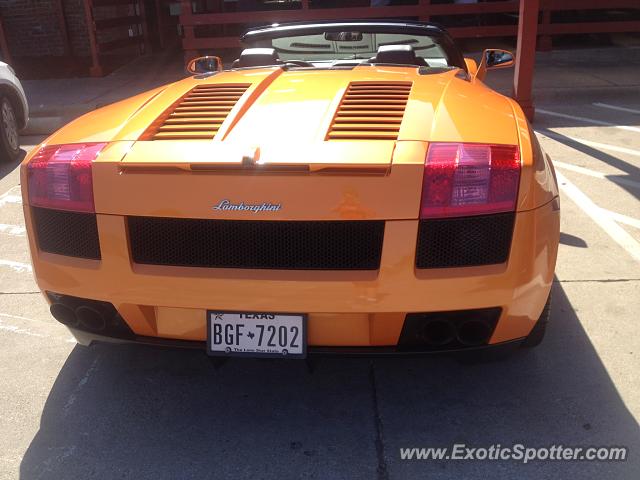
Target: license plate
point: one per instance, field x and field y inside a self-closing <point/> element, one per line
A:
<point x="252" y="334"/>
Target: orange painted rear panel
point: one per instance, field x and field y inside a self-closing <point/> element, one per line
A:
<point x="282" y="123"/>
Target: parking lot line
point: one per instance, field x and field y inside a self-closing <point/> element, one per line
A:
<point x="587" y="120"/>
<point x="10" y="199"/>
<point x="615" y="107"/>
<point x="11" y="196"/>
<point x="618" y="217"/>
<point x="593" y="173"/>
<point x="600" y="217"/>
<point x="14" y="230"/>
<point x="18" y="330"/>
<point x="17" y="317"/>
<point x="83" y="381"/>
<point x="16" y="266"/>
<point x="589" y="143"/>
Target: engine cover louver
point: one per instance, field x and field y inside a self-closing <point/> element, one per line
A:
<point x="199" y="114"/>
<point x="370" y="111"/>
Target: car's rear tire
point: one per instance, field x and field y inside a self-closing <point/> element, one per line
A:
<point x="537" y="334"/>
<point x="9" y="139"/>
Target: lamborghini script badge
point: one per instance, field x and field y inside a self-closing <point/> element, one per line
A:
<point x="226" y="205"/>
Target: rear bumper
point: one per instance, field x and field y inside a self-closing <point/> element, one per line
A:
<point x="88" y="339"/>
<point x="345" y="308"/>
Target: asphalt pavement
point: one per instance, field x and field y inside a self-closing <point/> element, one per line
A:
<point x="136" y="412"/>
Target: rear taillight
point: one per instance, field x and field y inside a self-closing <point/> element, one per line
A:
<point x="60" y="177"/>
<point x="464" y="179"/>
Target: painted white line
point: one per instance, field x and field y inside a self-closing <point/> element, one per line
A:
<point x="11" y="196"/>
<point x="12" y="191"/>
<point x="53" y="327"/>
<point x="14" y="230"/>
<point x="620" y="218"/>
<point x="83" y="381"/>
<point x="587" y="120"/>
<point x="600" y="217"/>
<point x="593" y="173"/>
<point x="10" y="199"/>
<point x="589" y="143"/>
<point x="615" y="107"/>
<point x="17" y="317"/>
<point x="578" y="169"/>
<point x="16" y="266"/>
<point x="18" y="330"/>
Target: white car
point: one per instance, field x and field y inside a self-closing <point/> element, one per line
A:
<point x="14" y="113"/>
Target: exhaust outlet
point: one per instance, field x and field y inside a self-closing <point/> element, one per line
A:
<point x="64" y="314"/>
<point x="473" y="333"/>
<point x="438" y="332"/>
<point x="90" y="318"/>
<point x="86" y="314"/>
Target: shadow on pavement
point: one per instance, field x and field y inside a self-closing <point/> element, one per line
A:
<point x="632" y="172"/>
<point x="134" y="412"/>
<point x="572" y="240"/>
<point x="7" y="167"/>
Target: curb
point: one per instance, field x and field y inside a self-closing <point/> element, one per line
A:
<point x="48" y="120"/>
<point x="43" y="125"/>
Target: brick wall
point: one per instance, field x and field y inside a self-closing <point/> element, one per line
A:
<point x="32" y="27"/>
<point x="77" y="28"/>
<point x="113" y="12"/>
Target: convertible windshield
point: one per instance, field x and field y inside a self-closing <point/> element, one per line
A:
<point x="319" y="48"/>
<point x="346" y="43"/>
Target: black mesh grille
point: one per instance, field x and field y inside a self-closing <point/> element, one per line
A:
<point x="323" y="245"/>
<point x="466" y="241"/>
<point x="72" y="234"/>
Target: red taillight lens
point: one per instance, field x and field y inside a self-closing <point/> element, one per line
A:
<point x="60" y="176"/>
<point x="462" y="179"/>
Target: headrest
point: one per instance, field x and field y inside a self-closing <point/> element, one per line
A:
<point x="258" y="57"/>
<point x="396" y="54"/>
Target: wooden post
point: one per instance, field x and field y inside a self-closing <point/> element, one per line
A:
<point x="545" y="43"/>
<point x="424" y="7"/>
<point x="187" y="30"/>
<point x="96" y="69"/>
<point x="145" y="27"/>
<point x="160" y="5"/>
<point x="526" y="55"/>
<point x="62" y="25"/>
<point x="4" y="46"/>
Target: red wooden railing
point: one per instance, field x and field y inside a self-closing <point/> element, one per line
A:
<point x="547" y="29"/>
<point x="422" y="10"/>
<point x="527" y="31"/>
<point x="131" y="21"/>
<point x="166" y="25"/>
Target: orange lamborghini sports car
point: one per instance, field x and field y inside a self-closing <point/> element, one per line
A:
<point x="347" y="187"/>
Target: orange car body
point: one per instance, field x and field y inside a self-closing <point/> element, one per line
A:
<point x="282" y="122"/>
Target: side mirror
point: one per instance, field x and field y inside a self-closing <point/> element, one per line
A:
<point x="206" y="64"/>
<point x="492" y="59"/>
<point x="498" y="58"/>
